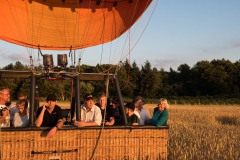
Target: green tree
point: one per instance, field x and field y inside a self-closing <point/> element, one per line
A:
<point x="135" y="78"/>
<point x="147" y="80"/>
<point x="186" y="80"/>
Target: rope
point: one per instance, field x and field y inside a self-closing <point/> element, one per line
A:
<point x="85" y="29"/>
<point x="103" y="125"/>
<point x="102" y="35"/>
<point x="131" y="46"/>
<point x="142" y="32"/>
<point x="130" y="49"/>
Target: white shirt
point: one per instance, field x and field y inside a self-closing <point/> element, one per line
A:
<point x="94" y="115"/>
<point x="143" y="117"/>
<point x="137" y="113"/>
<point x="20" y="121"/>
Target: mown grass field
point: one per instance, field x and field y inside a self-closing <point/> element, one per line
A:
<point x="198" y="132"/>
<point x="203" y="132"/>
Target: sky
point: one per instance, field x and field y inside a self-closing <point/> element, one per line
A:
<point x="178" y="32"/>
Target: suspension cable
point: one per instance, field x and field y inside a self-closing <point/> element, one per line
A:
<point x="103" y="124"/>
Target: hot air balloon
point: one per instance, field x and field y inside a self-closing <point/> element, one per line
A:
<point x="67" y="24"/>
<point x="70" y="25"/>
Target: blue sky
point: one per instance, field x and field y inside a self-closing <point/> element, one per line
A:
<point x="180" y="31"/>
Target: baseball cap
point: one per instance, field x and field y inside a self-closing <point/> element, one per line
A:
<point x="51" y="97"/>
<point x="88" y="97"/>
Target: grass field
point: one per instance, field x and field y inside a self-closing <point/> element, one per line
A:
<point x="203" y="132"/>
<point x="199" y="132"/>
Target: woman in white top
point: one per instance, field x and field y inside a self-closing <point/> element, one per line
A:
<point x="21" y="118"/>
<point x="140" y="111"/>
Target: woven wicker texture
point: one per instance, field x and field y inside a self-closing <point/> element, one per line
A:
<point x="80" y="144"/>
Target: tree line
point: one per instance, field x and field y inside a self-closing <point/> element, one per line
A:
<point x="207" y="82"/>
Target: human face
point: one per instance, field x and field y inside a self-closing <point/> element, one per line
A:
<point x="51" y="104"/>
<point x="139" y="104"/>
<point x="89" y="103"/>
<point x="21" y="108"/>
<point x="102" y="101"/>
<point x="115" y="105"/>
<point x="161" y="105"/>
<point x="5" y="96"/>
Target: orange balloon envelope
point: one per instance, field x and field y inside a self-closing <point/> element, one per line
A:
<point x="67" y="24"/>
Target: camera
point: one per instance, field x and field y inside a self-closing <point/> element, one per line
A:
<point x="2" y="108"/>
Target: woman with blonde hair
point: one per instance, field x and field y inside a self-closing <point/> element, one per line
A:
<point x="21" y="118"/>
<point x="160" y="113"/>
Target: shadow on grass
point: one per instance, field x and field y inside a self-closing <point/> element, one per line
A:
<point x="228" y="120"/>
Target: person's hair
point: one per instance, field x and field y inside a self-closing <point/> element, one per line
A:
<point x="137" y="98"/>
<point x="2" y="89"/>
<point x="130" y="105"/>
<point x="23" y="102"/>
<point x="164" y="100"/>
<point x="21" y="94"/>
<point x="101" y="94"/>
<point x="115" y="100"/>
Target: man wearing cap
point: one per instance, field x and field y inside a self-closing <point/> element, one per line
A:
<point x="131" y="117"/>
<point x="50" y="115"/>
<point x="90" y="113"/>
<point x="140" y="111"/>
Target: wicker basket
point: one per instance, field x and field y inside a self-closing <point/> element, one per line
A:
<point x="85" y="143"/>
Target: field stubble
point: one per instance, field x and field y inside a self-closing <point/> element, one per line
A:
<point x="203" y="132"/>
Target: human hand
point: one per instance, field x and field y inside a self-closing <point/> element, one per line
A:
<point x="45" y="106"/>
<point x="108" y="124"/>
<point x="79" y="123"/>
<point x="52" y="132"/>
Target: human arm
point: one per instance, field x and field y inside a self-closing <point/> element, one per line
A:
<point x="5" y="113"/>
<point x="53" y="131"/>
<point x="161" y="120"/>
<point x="111" y="117"/>
<point x="59" y="123"/>
<point x="112" y="121"/>
<point x="135" y="120"/>
<point x="40" y="115"/>
<point x="84" y="124"/>
<point x="96" y="119"/>
<point x="134" y="124"/>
